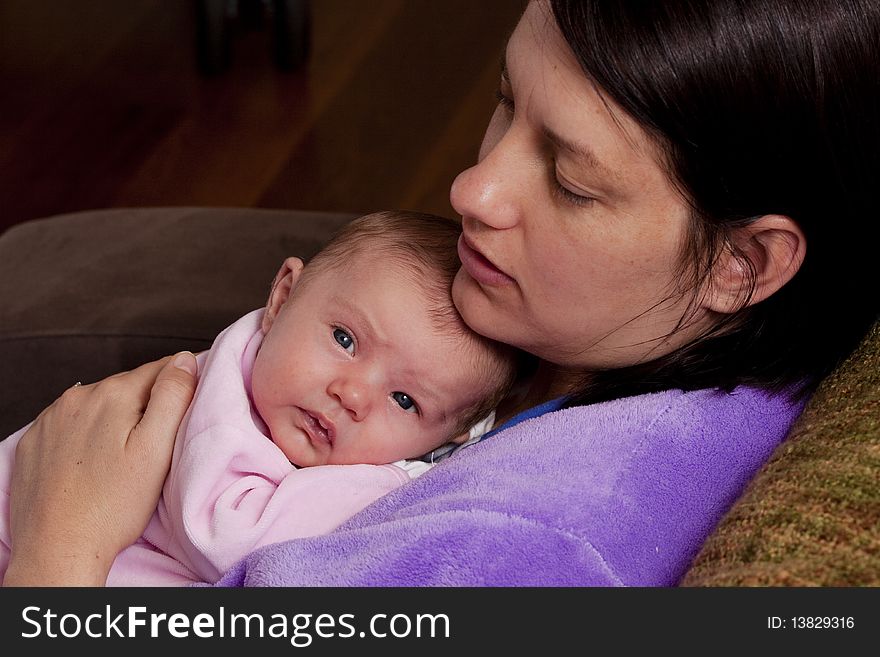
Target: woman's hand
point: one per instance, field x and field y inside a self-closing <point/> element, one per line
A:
<point x="89" y="471"/>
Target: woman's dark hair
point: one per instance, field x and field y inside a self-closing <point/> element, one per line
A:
<point x="759" y="107"/>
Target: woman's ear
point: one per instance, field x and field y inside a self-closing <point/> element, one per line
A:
<point x="773" y="246"/>
<point x="284" y="283"/>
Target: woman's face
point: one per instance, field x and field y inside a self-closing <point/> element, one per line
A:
<point x="573" y="233"/>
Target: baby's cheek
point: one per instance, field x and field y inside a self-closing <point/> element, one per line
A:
<point x="260" y="390"/>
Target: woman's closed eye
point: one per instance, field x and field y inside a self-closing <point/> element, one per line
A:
<point x="567" y="195"/>
<point x="565" y="189"/>
<point x="406" y="402"/>
<point x="560" y="190"/>
<point x="344" y="339"/>
<point x="504" y="101"/>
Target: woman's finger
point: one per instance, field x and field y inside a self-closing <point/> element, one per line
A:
<point x="136" y="383"/>
<point x="168" y="402"/>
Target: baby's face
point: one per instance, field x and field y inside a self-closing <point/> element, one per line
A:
<point x="352" y="370"/>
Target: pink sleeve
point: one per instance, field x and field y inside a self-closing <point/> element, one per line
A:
<point x="229" y="493"/>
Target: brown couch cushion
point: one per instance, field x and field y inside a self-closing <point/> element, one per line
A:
<point x="89" y="294"/>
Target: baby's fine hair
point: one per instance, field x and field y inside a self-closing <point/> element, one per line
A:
<point x="424" y="247"/>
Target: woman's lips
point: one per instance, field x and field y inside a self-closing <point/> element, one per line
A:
<point x="479" y="267"/>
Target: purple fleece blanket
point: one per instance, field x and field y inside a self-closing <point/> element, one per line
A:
<point x="619" y="493"/>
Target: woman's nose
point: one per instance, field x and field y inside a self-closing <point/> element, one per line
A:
<point x="352" y="394"/>
<point x="491" y="191"/>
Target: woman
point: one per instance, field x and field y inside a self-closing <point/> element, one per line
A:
<point x="665" y="210"/>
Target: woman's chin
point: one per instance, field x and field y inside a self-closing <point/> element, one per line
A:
<point x="484" y="311"/>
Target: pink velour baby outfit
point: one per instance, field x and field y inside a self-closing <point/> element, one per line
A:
<point x="230" y="489"/>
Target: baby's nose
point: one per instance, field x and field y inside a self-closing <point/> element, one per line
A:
<point x="353" y="395"/>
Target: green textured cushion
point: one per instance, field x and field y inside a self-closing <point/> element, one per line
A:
<point x="811" y="517"/>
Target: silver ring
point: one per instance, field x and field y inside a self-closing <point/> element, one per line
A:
<point x="77" y="384"/>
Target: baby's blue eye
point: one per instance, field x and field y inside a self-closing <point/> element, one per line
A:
<point x="343" y="339"/>
<point x="405" y="402"/>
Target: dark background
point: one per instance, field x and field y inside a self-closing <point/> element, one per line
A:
<point x="102" y="105"/>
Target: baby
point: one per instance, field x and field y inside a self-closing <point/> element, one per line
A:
<point x="359" y="364"/>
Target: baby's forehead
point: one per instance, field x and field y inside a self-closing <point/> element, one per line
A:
<point x="369" y="252"/>
<point x="378" y="285"/>
<point x="367" y="267"/>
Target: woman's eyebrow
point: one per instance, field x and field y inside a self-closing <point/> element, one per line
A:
<point x="608" y="181"/>
<point x="581" y="151"/>
<point x="585" y="154"/>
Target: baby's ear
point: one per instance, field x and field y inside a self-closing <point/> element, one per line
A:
<point x="284" y="283"/>
<point x="458" y="440"/>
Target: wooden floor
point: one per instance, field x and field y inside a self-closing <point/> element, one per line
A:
<point x="101" y="105"/>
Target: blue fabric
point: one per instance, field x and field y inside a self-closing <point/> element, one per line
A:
<point x="528" y="414"/>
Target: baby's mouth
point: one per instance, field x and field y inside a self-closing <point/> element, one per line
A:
<point x="318" y="427"/>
